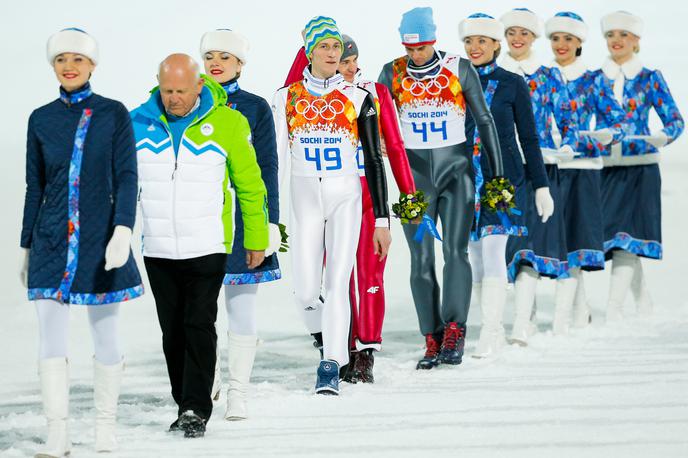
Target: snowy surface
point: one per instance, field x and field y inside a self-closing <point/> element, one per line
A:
<point x="603" y="391"/>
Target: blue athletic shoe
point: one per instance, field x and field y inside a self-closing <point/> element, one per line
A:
<point x="328" y="378"/>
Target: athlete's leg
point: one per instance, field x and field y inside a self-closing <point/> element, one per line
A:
<point x="308" y="248"/>
<point x="342" y="204"/>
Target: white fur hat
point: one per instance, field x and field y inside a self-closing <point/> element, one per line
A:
<point x="72" y="40"/>
<point x="622" y="20"/>
<point x="523" y="17"/>
<point x="225" y="40"/>
<point x="481" y="24"/>
<point x="567" y="22"/>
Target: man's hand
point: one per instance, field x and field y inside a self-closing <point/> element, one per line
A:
<point x="382" y="239"/>
<point x="254" y="258"/>
<point x="383" y="147"/>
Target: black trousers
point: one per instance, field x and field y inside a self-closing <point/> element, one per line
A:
<point x="185" y="294"/>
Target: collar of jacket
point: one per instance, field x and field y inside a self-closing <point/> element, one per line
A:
<point x="319" y="86"/>
<point x="231" y="86"/>
<point x="486" y="69"/>
<point x="77" y="96"/>
<point x="428" y="70"/>
<point x="573" y="71"/>
<point x="526" y="66"/>
<point x="629" y="69"/>
<point x="212" y="96"/>
<point x="358" y="77"/>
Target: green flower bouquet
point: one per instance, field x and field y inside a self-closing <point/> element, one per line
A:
<point x="410" y="207"/>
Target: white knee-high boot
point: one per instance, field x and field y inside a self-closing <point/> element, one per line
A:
<point x="492" y="306"/>
<point x="641" y="295"/>
<point x="242" y="353"/>
<point x="107" y="381"/>
<point x="54" y="373"/>
<point x="524" y="297"/>
<point x="623" y="265"/>
<point x="582" y="314"/>
<point x="563" y="303"/>
<point x="476" y="293"/>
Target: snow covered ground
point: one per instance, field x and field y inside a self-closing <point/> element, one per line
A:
<point x="603" y="391"/>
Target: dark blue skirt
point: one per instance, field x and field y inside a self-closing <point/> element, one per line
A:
<point x="581" y="201"/>
<point x="631" y="199"/>
<point x="545" y="245"/>
<point x="236" y="271"/>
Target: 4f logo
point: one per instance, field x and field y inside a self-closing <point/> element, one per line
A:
<point x="373" y="289"/>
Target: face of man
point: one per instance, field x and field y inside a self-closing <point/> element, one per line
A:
<point x="325" y="58"/>
<point x="180" y="84"/>
<point x="72" y="70"/>
<point x="420" y="55"/>
<point x="348" y="68"/>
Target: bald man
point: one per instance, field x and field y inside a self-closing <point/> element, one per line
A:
<point x="190" y="148"/>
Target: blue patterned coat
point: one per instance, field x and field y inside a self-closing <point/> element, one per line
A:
<point x="591" y="96"/>
<point x="81" y="182"/>
<point x="643" y="90"/>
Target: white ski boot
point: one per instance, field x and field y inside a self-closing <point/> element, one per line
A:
<point x="524" y="297"/>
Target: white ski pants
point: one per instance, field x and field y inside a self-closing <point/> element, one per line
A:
<point x="325" y="218"/>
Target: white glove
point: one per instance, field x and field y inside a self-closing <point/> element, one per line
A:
<point x="566" y="149"/>
<point x="604" y="136"/>
<point x="544" y="203"/>
<point x="24" y="272"/>
<point x="275" y="239"/>
<point x="118" y="249"/>
<point x="658" y="139"/>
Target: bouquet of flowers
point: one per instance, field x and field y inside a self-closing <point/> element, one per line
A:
<point x="410" y="207"/>
<point x="284" y="246"/>
<point x="499" y="195"/>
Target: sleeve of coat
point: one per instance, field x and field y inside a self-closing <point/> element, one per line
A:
<point x="475" y="101"/>
<point x="124" y="170"/>
<point x="528" y="137"/>
<point x="244" y="173"/>
<point x="296" y="71"/>
<point x="396" y="153"/>
<point x="666" y="107"/>
<point x="35" y="184"/>
<point x="372" y="158"/>
<point x="266" y="152"/>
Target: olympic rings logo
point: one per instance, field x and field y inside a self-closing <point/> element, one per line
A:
<point x="319" y="107"/>
<point x="431" y="87"/>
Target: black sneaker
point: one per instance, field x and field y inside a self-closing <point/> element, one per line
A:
<point x="364" y="366"/>
<point x="174" y="427"/>
<point x="318" y="342"/>
<point x="432" y="352"/>
<point x="351" y="376"/>
<point x="192" y="424"/>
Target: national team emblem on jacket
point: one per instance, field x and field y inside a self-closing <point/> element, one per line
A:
<point x="207" y="129"/>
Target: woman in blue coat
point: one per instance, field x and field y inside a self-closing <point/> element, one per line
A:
<point x="224" y="54"/>
<point x="509" y="100"/>
<point x="632" y="169"/>
<point x="540" y="253"/>
<point x="591" y="98"/>
<point x="79" y="211"/>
